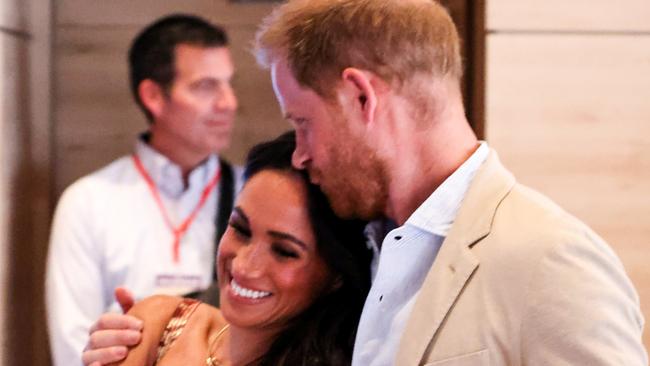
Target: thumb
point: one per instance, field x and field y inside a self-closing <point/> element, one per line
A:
<point x="125" y="298"/>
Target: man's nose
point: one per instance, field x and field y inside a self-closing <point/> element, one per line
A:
<point x="227" y="101"/>
<point x="300" y="157"/>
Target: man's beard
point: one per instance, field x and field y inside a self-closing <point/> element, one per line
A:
<point x="356" y="184"/>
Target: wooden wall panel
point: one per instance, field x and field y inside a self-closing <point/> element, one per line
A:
<point x="25" y="122"/>
<point x="13" y="104"/>
<point x="13" y="15"/>
<point x="29" y="346"/>
<point x="570" y="115"/>
<point x="259" y="117"/>
<point x="573" y="15"/>
<point x="8" y="113"/>
<point x="129" y="12"/>
<point x="95" y="119"/>
<point x="14" y="192"/>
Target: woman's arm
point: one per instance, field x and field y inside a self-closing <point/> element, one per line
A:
<point x="155" y="312"/>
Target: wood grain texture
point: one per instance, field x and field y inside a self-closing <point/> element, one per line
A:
<point x="9" y="114"/>
<point x="141" y="12"/>
<point x="569" y="115"/>
<point x="19" y="281"/>
<point x="573" y="15"/>
<point x="13" y="15"/>
<point x="469" y="16"/>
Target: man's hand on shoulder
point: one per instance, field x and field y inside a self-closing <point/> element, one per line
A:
<point x="112" y="334"/>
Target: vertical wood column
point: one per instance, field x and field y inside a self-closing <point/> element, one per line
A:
<point x="24" y="178"/>
<point x="469" y="16"/>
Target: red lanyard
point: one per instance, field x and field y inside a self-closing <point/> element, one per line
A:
<point x="180" y="230"/>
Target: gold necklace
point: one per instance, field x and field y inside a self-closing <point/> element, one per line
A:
<point x="211" y="360"/>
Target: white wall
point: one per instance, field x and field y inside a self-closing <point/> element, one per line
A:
<point x="568" y="110"/>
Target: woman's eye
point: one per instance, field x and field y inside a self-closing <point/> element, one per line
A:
<point x="284" y="252"/>
<point x="240" y="229"/>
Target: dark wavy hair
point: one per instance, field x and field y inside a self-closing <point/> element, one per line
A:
<point x="324" y="333"/>
<point x="152" y="53"/>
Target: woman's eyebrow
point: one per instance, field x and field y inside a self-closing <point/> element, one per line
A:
<point x="241" y="215"/>
<point x="285" y="236"/>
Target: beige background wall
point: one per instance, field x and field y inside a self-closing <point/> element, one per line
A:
<point x="24" y="177"/>
<point x="568" y="109"/>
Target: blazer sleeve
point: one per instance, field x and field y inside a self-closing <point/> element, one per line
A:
<point x="581" y="308"/>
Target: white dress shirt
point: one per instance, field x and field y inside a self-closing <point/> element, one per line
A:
<point x="407" y="253"/>
<point x="108" y="231"/>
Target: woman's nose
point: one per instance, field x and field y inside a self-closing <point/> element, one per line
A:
<point x="249" y="261"/>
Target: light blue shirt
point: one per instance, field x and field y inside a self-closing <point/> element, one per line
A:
<point x="407" y="253"/>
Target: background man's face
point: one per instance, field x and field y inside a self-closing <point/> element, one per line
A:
<point x="199" y="109"/>
<point x="338" y="160"/>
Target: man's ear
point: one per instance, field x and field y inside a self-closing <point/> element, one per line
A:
<point x="361" y="90"/>
<point x="152" y="96"/>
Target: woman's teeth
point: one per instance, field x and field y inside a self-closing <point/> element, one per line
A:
<point x="247" y="293"/>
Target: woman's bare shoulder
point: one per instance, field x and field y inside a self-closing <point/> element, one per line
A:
<point x="208" y="314"/>
<point x="155" y="308"/>
<point x="156" y="311"/>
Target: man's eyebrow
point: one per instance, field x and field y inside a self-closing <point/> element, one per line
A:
<point x="241" y="214"/>
<point x="285" y="236"/>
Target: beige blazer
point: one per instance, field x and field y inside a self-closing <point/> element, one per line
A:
<point x="518" y="281"/>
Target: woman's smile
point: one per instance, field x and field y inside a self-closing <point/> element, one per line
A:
<point x="247" y="293"/>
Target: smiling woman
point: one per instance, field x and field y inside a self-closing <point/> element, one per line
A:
<point x="292" y="277"/>
<point x="269" y="268"/>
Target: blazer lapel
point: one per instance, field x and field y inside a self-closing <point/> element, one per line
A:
<point x="455" y="261"/>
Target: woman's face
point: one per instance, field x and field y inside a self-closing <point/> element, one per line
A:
<point x="269" y="268"/>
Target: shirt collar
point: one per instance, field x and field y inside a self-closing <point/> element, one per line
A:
<point x="167" y="175"/>
<point x="438" y="212"/>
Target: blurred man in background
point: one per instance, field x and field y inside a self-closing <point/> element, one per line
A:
<point x="148" y="221"/>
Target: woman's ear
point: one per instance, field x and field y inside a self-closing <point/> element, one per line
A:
<point x="152" y="96"/>
<point x="361" y="91"/>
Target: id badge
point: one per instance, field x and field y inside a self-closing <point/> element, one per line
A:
<point x="177" y="284"/>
